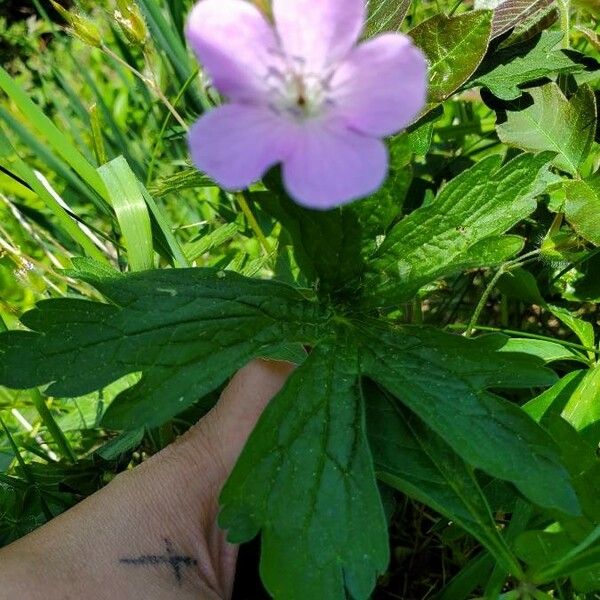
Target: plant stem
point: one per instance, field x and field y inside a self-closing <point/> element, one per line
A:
<point x="455" y="7"/>
<point x="26" y="471"/>
<point x="533" y="336"/>
<point x="564" y="7"/>
<point x="149" y="82"/>
<point x="52" y="426"/>
<point x="165" y="124"/>
<point x="507" y="266"/>
<point x="483" y="301"/>
<point x="241" y="200"/>
<point x="417" y="313"/>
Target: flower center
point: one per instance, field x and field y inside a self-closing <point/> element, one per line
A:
<point x="295" y="92"/>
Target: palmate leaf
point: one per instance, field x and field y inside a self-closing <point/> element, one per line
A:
<point x="461" y="228"/>
<point x="185" y="330"/>
<point x="314" y="512"/>
<point x="305" y="478"/>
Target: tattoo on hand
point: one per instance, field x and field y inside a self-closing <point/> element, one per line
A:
<point x="170" y="558"/>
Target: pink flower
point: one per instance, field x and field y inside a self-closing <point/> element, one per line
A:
<point x="301" y="93"/>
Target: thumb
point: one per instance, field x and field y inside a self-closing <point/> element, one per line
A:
<point x="233" y="418"/>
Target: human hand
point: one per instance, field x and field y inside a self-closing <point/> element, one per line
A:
<point x="151" y="533"/>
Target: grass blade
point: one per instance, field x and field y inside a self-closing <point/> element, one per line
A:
<point x="56" y="138"/>
<point x="132" y="212"/>
<point x="64" y="220"/>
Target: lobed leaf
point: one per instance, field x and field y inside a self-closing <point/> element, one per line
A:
<point x="460" y="229"/>
<point x="554" y="123"/>
<point x="413" y="459"/>
<point x="442" y="378"/>
<point x="185" y="330"/>
<point x="322" y="521"/>
<point x="508" y="69"/>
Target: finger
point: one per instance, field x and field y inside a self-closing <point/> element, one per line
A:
<point x="242" y="403"/>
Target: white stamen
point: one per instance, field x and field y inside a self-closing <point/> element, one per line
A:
<point x="297" y="93"/>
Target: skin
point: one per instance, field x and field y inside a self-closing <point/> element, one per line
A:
<point x="170" y="501"/>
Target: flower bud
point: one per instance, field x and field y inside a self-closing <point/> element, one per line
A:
<point x="80" y="25"/>
<point x="131" y="22"/>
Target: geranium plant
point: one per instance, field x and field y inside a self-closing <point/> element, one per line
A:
<point x="378" y="157"/>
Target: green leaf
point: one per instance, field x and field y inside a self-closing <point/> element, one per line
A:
<point x="163" y="235"/>
<point x="522" y="285"/>
<point x="64" y="220"/>
<point x="441" y="378"/>
<point x="454" y="47"/>
<point x="539" y="548"/>
<point x="472" y="576"/>
<point x="584" y="330"/>
<point x="582" y="409"/>
<point x="508" y="69"/>
<point x="187" y="178"/>
<point x="557" y="556"/>
<point x="460" y="229"/>
<point x="554" y="123"/>
<point x="185" y="330"/>
<point x="544" y="349"/>
<point x="322" y="521"/>
<point x="571" y="546"/>
<point x="420" y="137"/>
<point x="385" y="15"/>
<point x="132" y="213"/>
<point x="126" y="442"/>
<point x="327" y="245"/>
<point x="582" y="207"/>
<point x="554" y="398"/>
<point x="196" y="248"/>
<point x="413" y="459"/>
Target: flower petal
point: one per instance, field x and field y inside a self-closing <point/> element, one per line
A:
<point x="236" y="144"/>
<point x="235" y="44"/>
<point x="382" y="85"/>
<point x="318" y="32"/>
<point x="331" y="165"/>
